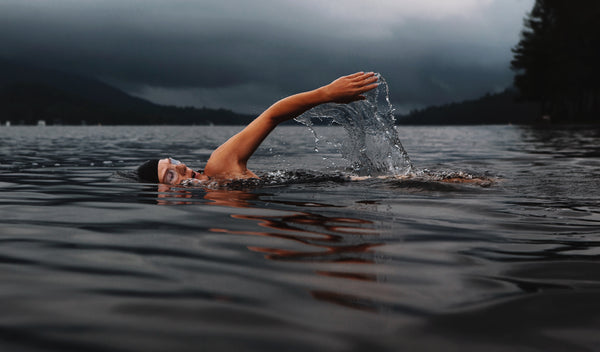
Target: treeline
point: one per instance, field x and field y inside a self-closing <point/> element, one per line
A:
<point x="557" y="61"/>
<point x="500" y="108"/>
<point x="29" y="94"/>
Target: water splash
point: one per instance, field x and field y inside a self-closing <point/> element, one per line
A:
<point x="372" y="145"/>
<point x="271" y="178"/>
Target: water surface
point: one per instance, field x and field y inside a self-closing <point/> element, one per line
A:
<point x="309" y="261"/>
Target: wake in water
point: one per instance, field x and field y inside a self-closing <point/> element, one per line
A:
<point x="425" y="179"/>
<point x="372" y="146"/>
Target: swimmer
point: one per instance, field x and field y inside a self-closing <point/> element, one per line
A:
<point x="228" y="162"/>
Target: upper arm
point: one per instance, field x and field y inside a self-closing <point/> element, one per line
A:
<point x="231" y="157"/>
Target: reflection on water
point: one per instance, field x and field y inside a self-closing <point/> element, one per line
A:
<point x="174" y="195"/>
<point x="568" y="141"/>
<point x="324" y="239"/>
<point x="308" y="260"/>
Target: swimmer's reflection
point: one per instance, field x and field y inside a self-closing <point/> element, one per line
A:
<point x="172" y="195"/>
<point x="325" y="237"/>
<point x="321" y="239"/>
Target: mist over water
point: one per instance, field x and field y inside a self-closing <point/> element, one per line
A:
<point x="372" y="145"/>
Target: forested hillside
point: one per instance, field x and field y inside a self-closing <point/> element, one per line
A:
<point x="29" y="94"/>
<point x="500" y="108"/>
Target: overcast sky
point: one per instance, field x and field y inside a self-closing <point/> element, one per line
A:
<point x="245" y="54"/>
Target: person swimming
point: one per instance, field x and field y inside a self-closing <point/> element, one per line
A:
<point x="228" y="161"/>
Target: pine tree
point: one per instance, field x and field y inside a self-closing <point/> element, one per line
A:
<point x="556" y="60"/>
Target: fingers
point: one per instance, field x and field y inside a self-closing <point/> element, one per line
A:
<point x="351" y="88"/>
<point x="360" y="75"/>
<point x="368" y="81"/>
<point x="363" y="83"/>
<point x="354" y="75"/>
<point x="368" y="87"/>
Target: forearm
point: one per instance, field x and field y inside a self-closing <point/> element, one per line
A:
<point x="293" y="106"/>
<point x="345" y="89"/>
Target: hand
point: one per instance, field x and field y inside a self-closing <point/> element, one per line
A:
<point x="350" y="88"/>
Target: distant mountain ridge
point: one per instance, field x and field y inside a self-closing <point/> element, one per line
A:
<point x="84" y="87"/>
<point x="29" y="94"/>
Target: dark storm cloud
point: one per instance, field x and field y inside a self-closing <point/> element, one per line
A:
<point x="242" y="55"/>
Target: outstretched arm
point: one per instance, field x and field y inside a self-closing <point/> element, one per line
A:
<point x="230" y="159"/>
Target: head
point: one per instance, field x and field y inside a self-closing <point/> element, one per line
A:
<point x="173" y="172"/>
<point x="168" y="171"/>
<point x="148" y="171"/>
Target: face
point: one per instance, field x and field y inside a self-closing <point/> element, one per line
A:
<point x="173" y="172"/>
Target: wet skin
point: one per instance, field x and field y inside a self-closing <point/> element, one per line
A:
<point x="172" y="172"/>
<point x="229" y="160"/>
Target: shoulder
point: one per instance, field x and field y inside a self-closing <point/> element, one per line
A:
<point x="222" y="169"/>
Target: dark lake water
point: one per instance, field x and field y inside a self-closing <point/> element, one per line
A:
<point x="309" y="261"/>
